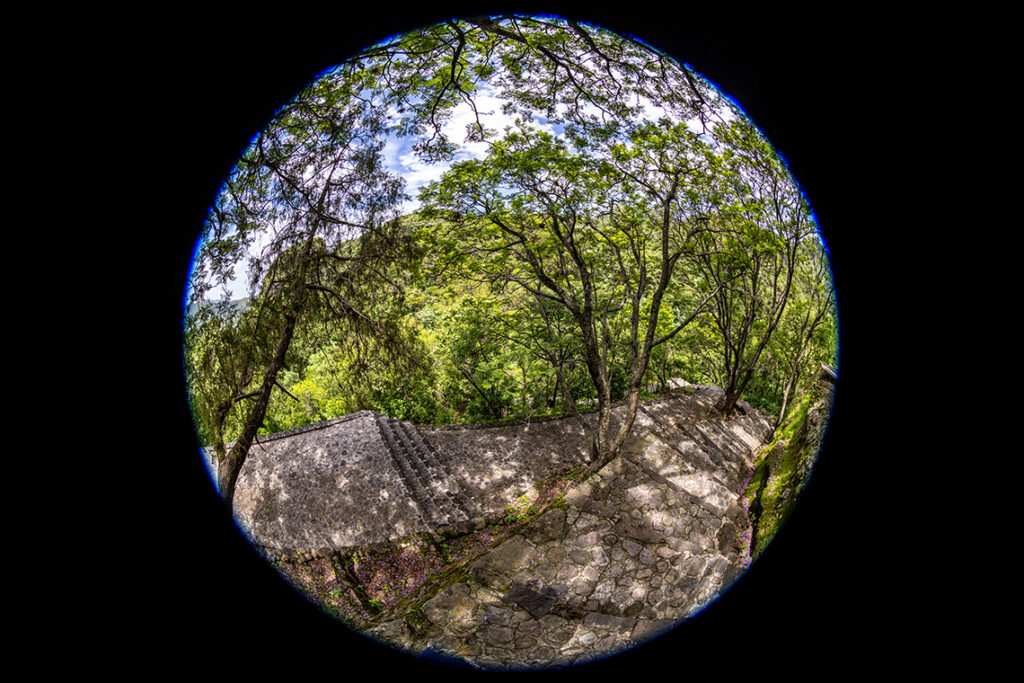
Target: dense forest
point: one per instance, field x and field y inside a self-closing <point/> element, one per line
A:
<point x="629" y="227"/>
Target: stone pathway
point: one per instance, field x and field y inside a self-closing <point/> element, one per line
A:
<point x="648" y="541"/>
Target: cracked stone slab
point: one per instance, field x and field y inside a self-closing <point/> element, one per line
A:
<point x="512" y="555"/>
<point x="536" y="602"/>
<point x="639" y="533"/>
<point x="548" y="527"/>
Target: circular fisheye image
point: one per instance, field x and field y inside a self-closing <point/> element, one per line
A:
<point x="510" y="340"/>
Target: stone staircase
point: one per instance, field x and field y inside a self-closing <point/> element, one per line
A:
<point x="716" y="449"/>
<point x="441" y="500"/>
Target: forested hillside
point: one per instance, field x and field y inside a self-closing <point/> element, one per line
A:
<point x="475" y="356"/>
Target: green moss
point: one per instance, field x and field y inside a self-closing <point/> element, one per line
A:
<point x="576" y="473"/>
<point x="777" y="480"/>
<point x="797" y="418"/>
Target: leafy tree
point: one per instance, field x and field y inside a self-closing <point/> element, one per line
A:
<point x="752" y="254"/>
<point x="220" y="362"/>
<point x="313" y="191"/>
<point x="476" y="354"/>
<point x="598" y="236"/>
<point x="562" y="70"/>
<point x="571" y="267"/>
<point x="543" y="337"/>
<point x="811" y="320"/>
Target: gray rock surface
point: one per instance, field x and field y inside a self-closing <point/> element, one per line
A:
<point x="646" y="542"/>
<point x="559" y="610"/>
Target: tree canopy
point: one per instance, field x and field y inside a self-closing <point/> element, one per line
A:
<point x="626" y="224"/>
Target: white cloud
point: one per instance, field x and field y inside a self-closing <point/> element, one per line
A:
<point x="402" y="159"/>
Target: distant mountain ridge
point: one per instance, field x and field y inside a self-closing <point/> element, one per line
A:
<point x="222" y="309"/>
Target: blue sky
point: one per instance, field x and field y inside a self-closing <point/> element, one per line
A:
<point x="400" y="158"/>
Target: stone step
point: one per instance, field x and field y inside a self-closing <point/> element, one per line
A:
<point x="426" y="454"/>
<point x="736" y="454"/>
<point x="469" y="507"/>
<point x="705" y="458"/>
<point x="429" y="485"/>
<point x="435" y="478"/>
<point x="734" y="448"/>
<point x="697" y="459"/>
<point x="425" y="475"/>
<point x="409" y="476"/>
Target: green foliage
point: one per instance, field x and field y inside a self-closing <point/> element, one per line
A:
<point x="529" y="271"/>
<point x="555" y="271"/>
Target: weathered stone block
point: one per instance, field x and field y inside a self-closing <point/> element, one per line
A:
<point x="598" y="557"/>
<point x="548" y="527"/>
<point x="639" y="532"/>
<point x="727" y="538"/>
<point x="580" y="556"/>
<point x="496" y="635"/>
<point x="495" y="567"/>
<point x="609" y="622"/>
<point x="534" y="626"/>
<point x="554" y="554"/>
<point x="525" y="642"/>
<point x="603" y="590"/>
<point x="634" y="609"/>
<point x="496" y="616"/>
<point x="543" y="654"/>
<point x="558" y="636"/>
<point x="437" y="608"/>
<point x="650" y="628"/>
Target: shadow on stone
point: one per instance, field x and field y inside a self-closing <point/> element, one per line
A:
<point x="537" y="603"/>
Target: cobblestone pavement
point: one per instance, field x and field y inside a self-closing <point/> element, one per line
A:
<point x="648" y="541"/>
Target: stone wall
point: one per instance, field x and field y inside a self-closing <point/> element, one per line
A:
<point x="331" y="487"/>
<point x="366" y="479"/>
<point x="649" y="540"/>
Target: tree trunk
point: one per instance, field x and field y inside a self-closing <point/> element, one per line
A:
<point x="607" y="450"/>
<point x="600" y="452"/>
<point x="231" y="464"/>
<point x="728" y="403"/>
<point x="495" y="408"/>
<point x="735" y="390"/>
<point x="523" y="402"/>
<point x="789" y="384"/>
